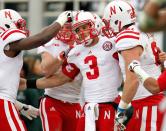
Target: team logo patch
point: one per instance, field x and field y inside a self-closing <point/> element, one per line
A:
<point x="107" y="46"/>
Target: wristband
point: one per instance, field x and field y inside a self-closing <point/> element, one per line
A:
<point x="31" y="83"/>
<point x="141" y="73"/>
<point x="122" y="105"/>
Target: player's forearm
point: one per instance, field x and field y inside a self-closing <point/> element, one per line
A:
<point x="151" y="85"/>
<point x="50" y="82"/>
<point x="129" y="90"/>
<point x="37" y="40"/>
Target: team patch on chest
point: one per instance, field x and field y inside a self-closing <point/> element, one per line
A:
<point x="107" y="46"/>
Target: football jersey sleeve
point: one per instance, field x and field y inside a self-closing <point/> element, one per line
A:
<point x="127" y="39"/>
<point x="42" y="49"/>
<point x="12" y="35"/>
<point x="54" y="47"/>
<point x="70" y="70"/>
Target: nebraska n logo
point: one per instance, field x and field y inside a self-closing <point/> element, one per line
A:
<point x="112" y="10"/>
<point x="8" y="15"/>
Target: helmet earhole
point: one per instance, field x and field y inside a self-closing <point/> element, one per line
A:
<point x="116" y="22"/>
<point x="7" y="26"/>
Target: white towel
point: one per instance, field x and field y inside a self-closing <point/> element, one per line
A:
<point x="91" y="115"/>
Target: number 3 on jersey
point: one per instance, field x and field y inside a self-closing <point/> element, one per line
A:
<point x="94" y="70"/>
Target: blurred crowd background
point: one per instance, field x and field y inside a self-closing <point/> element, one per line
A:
<point x="39" y="13"/>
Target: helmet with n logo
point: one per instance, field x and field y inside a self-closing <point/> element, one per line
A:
<point x="118" y="14"/>
<point x="65" y="34"/>
<point x="10" y="19"/>
<point x="90" y="28"/>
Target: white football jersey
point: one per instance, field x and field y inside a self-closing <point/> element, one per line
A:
<point x="131" y="38"/>
<point x="10" y="67"/>
<point x="69" y="92"/>
<point x="100" y="70"/>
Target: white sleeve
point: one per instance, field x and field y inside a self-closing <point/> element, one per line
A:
<point x="12" y="35"/>
<point x="42" y="49"/>
<point x="127" y="39"/>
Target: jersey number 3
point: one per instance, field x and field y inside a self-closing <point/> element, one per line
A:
<point x="94" y="70"/>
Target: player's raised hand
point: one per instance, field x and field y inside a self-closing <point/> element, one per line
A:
<point x="64" y="17"/>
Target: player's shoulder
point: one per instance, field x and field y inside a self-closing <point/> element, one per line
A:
<point x="128" y="38"/>
<point x="131" y="33"/>
<point x="12" y="35"/>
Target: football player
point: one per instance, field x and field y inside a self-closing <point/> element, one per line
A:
<point x="133" y="44"/>
<point x="59" y="108"/>
<point x="95" y="58"/>
<point x="13" y="39"/>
